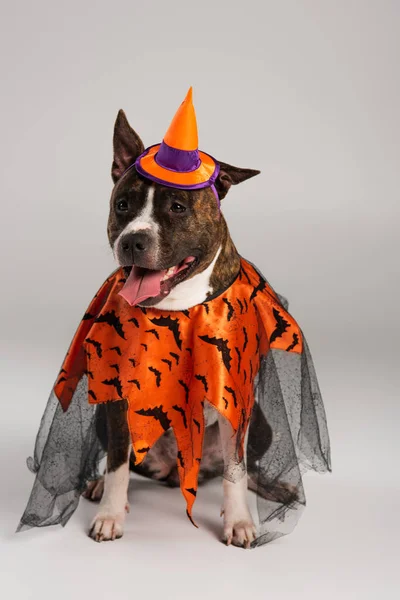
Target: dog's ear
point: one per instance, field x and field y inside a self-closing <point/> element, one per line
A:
<point x="229" y="175"/>
<point x="127" y="146"/>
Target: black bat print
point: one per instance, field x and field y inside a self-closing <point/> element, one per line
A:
<point x="173" y="326"/>
<point x="245" y="304"/>
<point x="182" y="412"/>
<point x="167" y="362"/>
<point x="180" y="459"/>
<point x="197" y="425"/>
<point x="97" y="346"/>
<point x="258" y="343"/>
<point x="134" y="321"/>
<point x="157" y="374"/>
<point x="239" y="358"/>
<point x="144" y="346"/>
<point x="294" y="342"/>
<point x="191" y="491"/>
<point x="281" y="326"/>
<point x="143" y="450"/>
<point x="222" y="347"/>
<point x="203" y="380"/>
<point x="186" y="313"/>
<point x="246" y="339"/>
<point x="230" y="308"/>
<point x="136" y="382"/>
<point x="117" y="349"/>
<point x="259" y="288"/>
<point x="175" y="356"/>
<point x="206" y="307"/>
<point x="87" y="317"/>
<point x="113" y="320"/>
<point x="158" y="413"/>
<point x="92" y="394"/>
<point x="189" y="350"/>
<point x="133" y="361"/>
<point x="251" y="370"/>
<point x="186" y="388"/>
<point x="240" y="304"/>
<point x="231" y="391"/>
<point x="116" y="367"/>
<point x="226" y="402"/>
<point x="245" y="274"/>
<point x="144" y="311"/>
<point x="88" y="373"/>
<point x="62" y="371"/>
<point x="244" y="376"/>
<point x="61" y="380"/>
<point x="116" y="382"/>
<point x="154" y="332"/>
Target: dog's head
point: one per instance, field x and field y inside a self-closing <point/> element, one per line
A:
<point x="171" y="234"/>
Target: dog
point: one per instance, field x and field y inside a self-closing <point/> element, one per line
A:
<point x="183" y="233"/>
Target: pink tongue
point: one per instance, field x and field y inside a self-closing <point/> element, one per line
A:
<point x="141" y="284"/>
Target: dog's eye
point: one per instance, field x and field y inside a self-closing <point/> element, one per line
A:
<point x="177" y="208"/>
<point x="122" y="205"/>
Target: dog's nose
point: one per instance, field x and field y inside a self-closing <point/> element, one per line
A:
<point x="135" y="244"/>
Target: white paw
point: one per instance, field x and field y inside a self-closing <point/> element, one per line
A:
<point x="106" y="526"/>
<point x="239" y="531"/>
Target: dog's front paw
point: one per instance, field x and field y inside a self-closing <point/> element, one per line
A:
<point x="106" y="527"/>
<point x="239" y="532"/>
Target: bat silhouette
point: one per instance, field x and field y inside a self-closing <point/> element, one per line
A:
<point x="116" y="367"/>
<point x="239" y="358"/>
<point x="167" y="362"/>
<point x="244" y="376"/>
<point x="203" y="380"/>
<point x="186" y="388"/>
<point x="231" y="391"/>
<point x="180" y="458"/>
<point x="294" y="342"/>
<point x="189" y="350"/>
<point x="110" y="318"/>
<point x="97" y="346"/>
<point x="136" y="382"/>
<point x="157" y="373"/>
<point x="230" y="308"/>
<point x="245" y="304"/>
<point x="173" y="326"/>
<point x="181" y="410"/>
<point x="281" y="326"/>
<point x="89" y="373"/>
<point x="133" y="361"/>
<point x="258" y="343"/>
<point x="117" y="350"/>
<point x="116" y="382"/>
<point x="197" y="425"/>
<point x="175" y="356"/>
<point x="222" y="346"/>
<point x="245" y="274"/>
<point x="134" y="321"/>
<point x="144" y="346"/>
<point x="191" y="491"/>
<point x="251" y="370"/>
<point x="186" y="313"/>
<point x="87" y="317"/>
<point x="154" y="332"/>
<point x="240" y="304"/>
<point x="259" y="288"/>
<point x="226" y="402"/>
<point x="92" y="394"/>
<point x="158" y="413"/>
<point x="246" y="339"/>
<point x="206" y="307"/>
<point x="143" y="450"/>
<point x="61" y="380"/>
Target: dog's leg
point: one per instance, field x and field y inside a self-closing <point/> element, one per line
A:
<point x="108" y="523"/>
<point x="239" y="528"/>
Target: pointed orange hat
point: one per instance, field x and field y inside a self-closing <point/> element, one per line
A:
<point x="177" y="161"/>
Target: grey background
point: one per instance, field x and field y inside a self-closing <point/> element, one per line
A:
<point x="306" y="91"/>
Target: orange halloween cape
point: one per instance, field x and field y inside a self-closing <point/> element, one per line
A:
<point x="233" y="350"/>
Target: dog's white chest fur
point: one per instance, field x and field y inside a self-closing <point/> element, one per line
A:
<point x="191" y="291"/>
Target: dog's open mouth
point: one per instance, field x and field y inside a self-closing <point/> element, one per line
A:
<point x="143" y="284"/>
